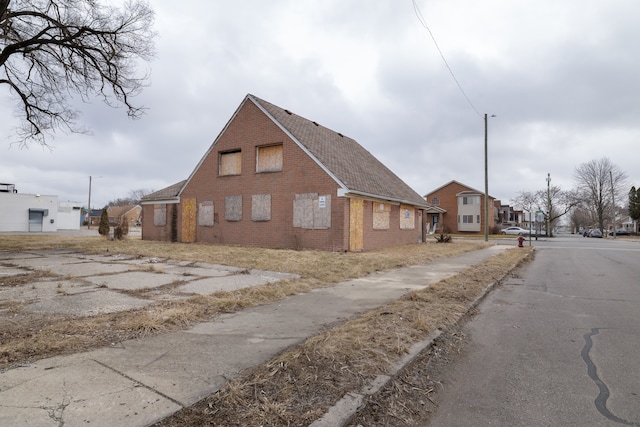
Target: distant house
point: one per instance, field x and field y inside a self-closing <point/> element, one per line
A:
<point x="35" y="213"/>
<point x="130" y="214"/>
<point x="464" y="208"/>
<point x="275" y="179"/>
<point x="94" y="216"/>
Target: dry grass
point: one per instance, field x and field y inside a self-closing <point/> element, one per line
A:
<point x="297" y="387"/>
<point x="26" y="337"/>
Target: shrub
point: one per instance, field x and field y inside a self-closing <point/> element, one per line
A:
<point x="443" y="238"/>
<point x="103" y="229"/>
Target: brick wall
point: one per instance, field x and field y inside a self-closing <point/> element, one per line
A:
<point x="449" y="202"/>
<point x="300" y="174"/>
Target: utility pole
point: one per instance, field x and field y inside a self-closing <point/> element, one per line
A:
<point x="486" y="180"/>
<point x="89" y="207"/>
<point x="613" y="200"/>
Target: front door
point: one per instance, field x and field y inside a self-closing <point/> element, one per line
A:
<point x="189" y="220"/>
<point x="35" y="221"/>
<point x="356" y="225"/>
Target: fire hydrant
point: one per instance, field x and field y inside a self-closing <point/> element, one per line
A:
<point x="520" y="242"/>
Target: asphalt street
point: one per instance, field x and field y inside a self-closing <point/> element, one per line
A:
<point x="557" y="345"/>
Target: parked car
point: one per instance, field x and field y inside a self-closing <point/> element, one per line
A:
<point x="622" y="232"/>
<point x="595" y="233"/>
<point x="515" y="231"/>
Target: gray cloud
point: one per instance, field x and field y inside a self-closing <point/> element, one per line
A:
<point x="560" y="76"/>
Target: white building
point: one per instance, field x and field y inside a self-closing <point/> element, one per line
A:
<point x="35" y="213"/>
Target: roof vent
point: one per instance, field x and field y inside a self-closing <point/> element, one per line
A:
<point x="341" y="135"/>
<point x="315" y="123"/>
<point x="288" y="112"/>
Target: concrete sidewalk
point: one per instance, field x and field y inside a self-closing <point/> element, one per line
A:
<point x="139" y="382"/>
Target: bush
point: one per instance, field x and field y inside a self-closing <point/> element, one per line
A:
<point x="121" y="230"/>
<point x="103" y="229"/>
<point x="443" y="238"/>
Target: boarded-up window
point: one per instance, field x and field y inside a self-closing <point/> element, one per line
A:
<point x="269" y="158"/>
<point x="407" y="217"/>
<point x="230" y="163"/>
<point x="381" y="212"/>
<point x="205" y="213"/>
<point x="233" y="208"/>
<point x="261" y="207"/>
<point x="160" y="215"/>
<point x="312" y="211"/>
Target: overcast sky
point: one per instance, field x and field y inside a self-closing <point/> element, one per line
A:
<point x="562" y="78"/>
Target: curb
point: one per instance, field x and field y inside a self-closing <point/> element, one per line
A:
<point x="345" y="410"/>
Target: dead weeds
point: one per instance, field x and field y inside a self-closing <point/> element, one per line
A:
<point x="297" y="387"/>
<point x="26" y="337"/>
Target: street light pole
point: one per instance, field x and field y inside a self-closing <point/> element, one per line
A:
<point x="89" y="207"/>
<point x="548" y="205"/>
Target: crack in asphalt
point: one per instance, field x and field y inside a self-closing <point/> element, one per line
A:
<point x="592" y="371"/>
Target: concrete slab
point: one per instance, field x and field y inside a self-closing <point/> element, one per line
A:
<point x="44" y="263"/>
<point x="98" y="301"/>
<point x="134" y="280"/>
<point x="42" y="290"/>
<point x="11" y="271"/>
<point x="75" y="390"/>
<point x="228" y="283"/>
<point x="198" y="271"/>
<point x="81" y="269"/>
<point x="17" y="255"/>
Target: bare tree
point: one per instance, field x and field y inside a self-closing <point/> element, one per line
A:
<point x="598" y="181"/>
<point x="134" y="198"/>
<point x="555" y="202"/>
<point x="51" y="50"/>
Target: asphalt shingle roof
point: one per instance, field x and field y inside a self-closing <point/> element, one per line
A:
<point x="166" y="193"/>
<point x="353" y="166"/>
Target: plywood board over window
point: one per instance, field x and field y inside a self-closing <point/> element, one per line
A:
<point x="322" y="212"/>
<point x="407" y="217"/>
<point x="189" y="220"/>
<point x="269" y="158"/>
<point x="230" y="163"/>
<point x="312" y="211"/>
<point x="381" y="215"/>
<point x="160" y="215"/>
<point x="261" y="207"/>
<point x="205" y="213"/>
<point x="233" y="208"/>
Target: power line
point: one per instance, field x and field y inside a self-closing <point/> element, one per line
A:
<point x="418" y="13"/>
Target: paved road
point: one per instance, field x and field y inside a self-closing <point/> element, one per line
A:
<point x="557" y="346"/>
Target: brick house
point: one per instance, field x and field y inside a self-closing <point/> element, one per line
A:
<point x="274" y="179"/>
<point x="129" y="214"/>
<point x="463" y="208"/>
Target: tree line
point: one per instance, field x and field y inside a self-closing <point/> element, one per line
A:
<point x="600" y="195"/>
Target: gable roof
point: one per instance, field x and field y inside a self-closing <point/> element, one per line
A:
<point x="469" y="190"/>
<point x="118" y="211"/>
<point x="354" y="168"/>
<point x="168" y="194"/>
